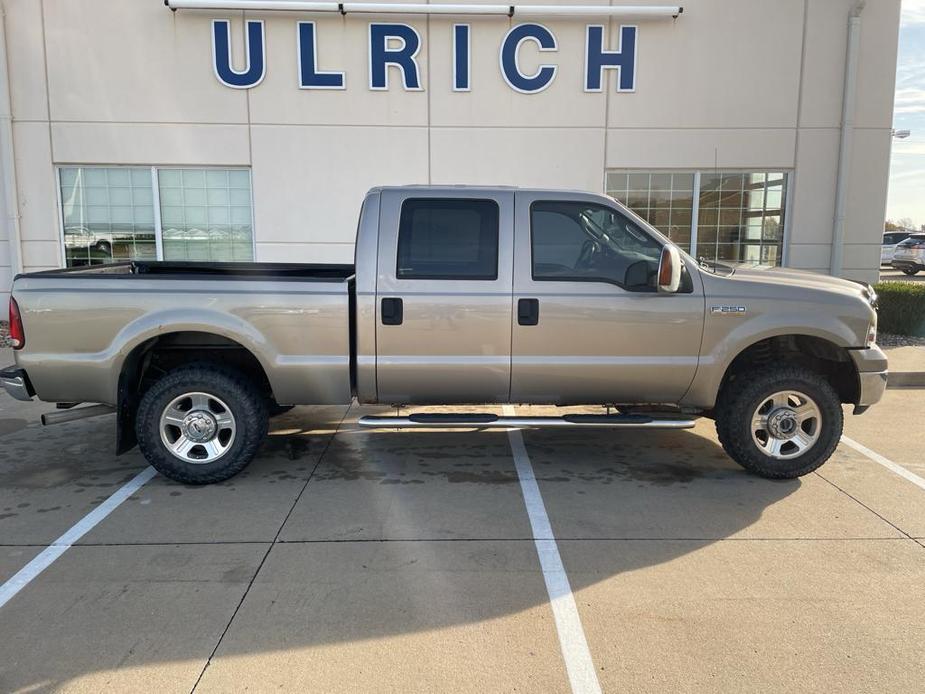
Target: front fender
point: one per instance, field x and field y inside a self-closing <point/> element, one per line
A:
<point x="721" y="345"/>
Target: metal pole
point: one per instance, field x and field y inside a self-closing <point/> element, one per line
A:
<point x="849" y="100"/>
<point x="9" y="201"/>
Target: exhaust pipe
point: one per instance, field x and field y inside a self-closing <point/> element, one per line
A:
<point x="76" y="413"/>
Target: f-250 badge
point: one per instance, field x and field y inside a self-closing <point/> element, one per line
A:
<point x="728" y="310"/>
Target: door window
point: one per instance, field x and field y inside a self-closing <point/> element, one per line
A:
<point x="584" y="242"/>
<point x="448" y="239"/>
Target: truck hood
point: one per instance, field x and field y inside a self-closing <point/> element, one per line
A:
<point x="801" y="278"/>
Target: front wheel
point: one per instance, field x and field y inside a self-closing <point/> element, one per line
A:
<point x="201" y="423"/>
<point x="779" y="423"/>
<point x="911" y="271"/>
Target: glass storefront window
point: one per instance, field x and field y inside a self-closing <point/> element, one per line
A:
<point x="664" y="200"/>
<point x="109" y="214"/>
<point x="739" y="217"/>
<point x="206" y="214"/>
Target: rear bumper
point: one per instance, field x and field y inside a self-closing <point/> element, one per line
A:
<point x="871" y="364"/>
<point x="16" y="383"/>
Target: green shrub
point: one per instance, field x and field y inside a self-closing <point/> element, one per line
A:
<point x="902" y="308"/>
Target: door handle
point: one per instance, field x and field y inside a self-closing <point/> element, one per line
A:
<point x="528" y="311"/>
<point x="392" y="311"/>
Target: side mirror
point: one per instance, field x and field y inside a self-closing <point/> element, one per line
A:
<point x="669" y="270"/>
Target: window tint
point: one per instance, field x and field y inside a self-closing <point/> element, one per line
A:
<point x="448" y="239"/>
<point x="585" y="242"/>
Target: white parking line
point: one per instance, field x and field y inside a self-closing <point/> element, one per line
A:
<point x="578" y="663"/>
<point x="885" y="462"/>
<point x="48" y="555"/>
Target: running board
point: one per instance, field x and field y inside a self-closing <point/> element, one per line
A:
<point x="493" y="421"/>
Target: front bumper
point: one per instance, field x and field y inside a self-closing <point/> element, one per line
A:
<point x="871" y="364"/>
<point x="16" y="383"/>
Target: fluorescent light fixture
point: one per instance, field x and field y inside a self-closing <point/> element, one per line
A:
<point x="627" y="11"/>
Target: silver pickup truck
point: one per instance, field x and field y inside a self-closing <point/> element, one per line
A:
<point x="458" y="295"/>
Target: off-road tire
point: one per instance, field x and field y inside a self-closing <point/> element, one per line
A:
<point x="242" y="396"/>
<point x="742" y="395"/>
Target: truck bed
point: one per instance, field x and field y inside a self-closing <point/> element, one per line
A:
<point x="84" y="324"/>
<point x="203" y="270"/>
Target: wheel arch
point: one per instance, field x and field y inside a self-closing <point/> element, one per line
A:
<point x="818" y="354"/>
<point x="163" y="351"/>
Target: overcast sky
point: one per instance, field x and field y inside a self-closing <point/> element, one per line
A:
<point x="907" y="173"/>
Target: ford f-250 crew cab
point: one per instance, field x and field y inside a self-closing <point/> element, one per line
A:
<point x="458" y="295"/>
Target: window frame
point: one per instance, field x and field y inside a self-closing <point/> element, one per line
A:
<point x="596" y="280"/>
<point x="786" y="200"/>
<point x="155" y="198"/>
<point x="454" y="278"/>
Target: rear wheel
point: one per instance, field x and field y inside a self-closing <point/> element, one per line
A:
<point x="911" y="271"/>
<point x="779" y="423"/>
<point x="201" y="423"/>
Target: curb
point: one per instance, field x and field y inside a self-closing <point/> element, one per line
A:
<point x="906" y="379"/>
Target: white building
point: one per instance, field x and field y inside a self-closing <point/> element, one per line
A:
<point x="134" y="135"/>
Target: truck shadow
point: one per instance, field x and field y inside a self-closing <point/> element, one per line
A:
<point x="412" y="532"/>
<point x="396" y="534"/>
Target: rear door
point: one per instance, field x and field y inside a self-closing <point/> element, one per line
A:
<point x="589" y="326"/>
<point x="445" y="275"/>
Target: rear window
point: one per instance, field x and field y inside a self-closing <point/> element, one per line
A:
<point x="448" y="238"/>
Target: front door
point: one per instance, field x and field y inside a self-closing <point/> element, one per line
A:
<point x="443" y="324"/>
<point x="589" y="326"/>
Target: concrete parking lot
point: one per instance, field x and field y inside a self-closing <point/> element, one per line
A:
<point x="353" y="560"/>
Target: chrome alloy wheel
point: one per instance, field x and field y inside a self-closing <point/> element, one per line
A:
<point x="786" y="424"/>
<point x="197" y="428"/>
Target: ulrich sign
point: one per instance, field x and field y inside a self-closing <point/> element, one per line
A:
<point x="397" y="45"/>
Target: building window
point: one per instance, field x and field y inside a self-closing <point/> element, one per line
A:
<point x="738" y="216"/>
<point x="113" y="214"/>
<point x="448" y="239"/>
<point x="108" y="215"/>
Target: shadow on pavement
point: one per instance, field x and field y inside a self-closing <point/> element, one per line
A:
<point x="396" y="533"/>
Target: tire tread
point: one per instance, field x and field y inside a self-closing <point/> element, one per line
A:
<point x="736" y="398"/>
<point x="252" y="417"/>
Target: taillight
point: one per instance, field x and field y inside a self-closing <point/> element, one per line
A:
<point x="17" y="334"/>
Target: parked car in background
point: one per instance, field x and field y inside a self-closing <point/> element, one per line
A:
<point x="890" y="239"/>
<point x="909" y="255"/>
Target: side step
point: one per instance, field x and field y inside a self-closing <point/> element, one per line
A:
<point x="493" y="421"/>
